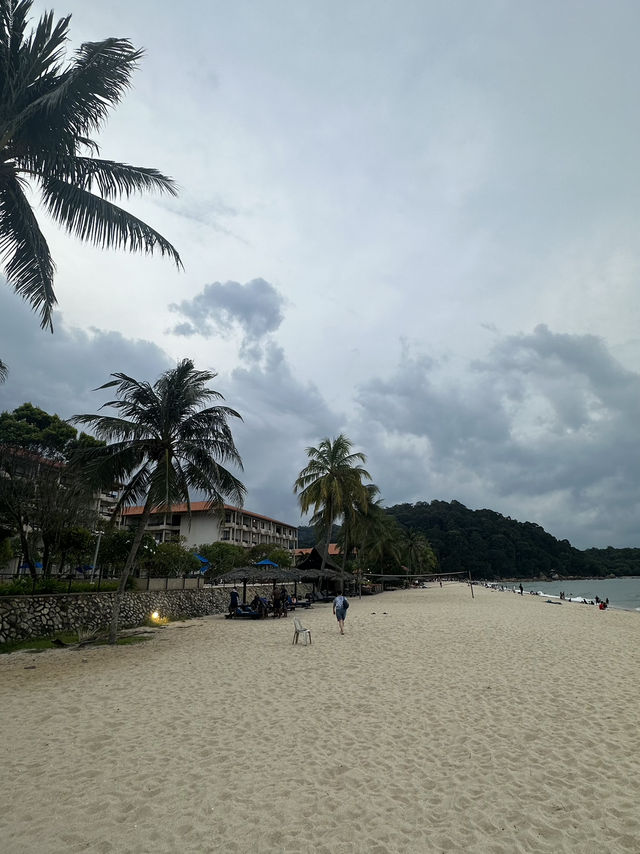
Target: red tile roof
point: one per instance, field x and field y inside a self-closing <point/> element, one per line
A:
<point x="334" y="549"/>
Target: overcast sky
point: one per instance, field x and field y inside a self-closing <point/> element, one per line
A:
<point x="415" y="222"/>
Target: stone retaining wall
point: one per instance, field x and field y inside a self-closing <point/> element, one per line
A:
<point x="25" y="617"/>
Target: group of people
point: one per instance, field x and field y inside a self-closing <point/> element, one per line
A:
<point x="278" y="607"/>
<point x="284" y="602"/>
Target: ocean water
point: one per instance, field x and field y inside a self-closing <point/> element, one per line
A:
<point x="622" y="592"/>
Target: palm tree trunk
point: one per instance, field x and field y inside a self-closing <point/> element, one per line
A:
<point x="46" y="559"/>
<point x="325" y="552"/>
<point x="26" y="553"/>
<point x="135" y="545"/>
<point x="344" y="557"/>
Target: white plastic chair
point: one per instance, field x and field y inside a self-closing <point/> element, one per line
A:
<point x="298" y="629"/>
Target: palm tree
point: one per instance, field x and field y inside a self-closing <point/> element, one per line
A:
<point x="4" y="371"/>
<point x="49" y="110"/>
<point x="164" y="443"/>
<point x="330" y="483"/>
<point x="417" y="551"/>
<point x="354" y="518"/>
<point x="376" y="537"/>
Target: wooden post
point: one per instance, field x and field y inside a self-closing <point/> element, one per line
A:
<point x="471" y="585"/>
<point x="244" y="591"/>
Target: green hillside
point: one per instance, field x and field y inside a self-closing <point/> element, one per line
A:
<point x="492" y="546"/>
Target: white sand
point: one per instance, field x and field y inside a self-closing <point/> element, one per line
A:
<point x="500" y="724"/>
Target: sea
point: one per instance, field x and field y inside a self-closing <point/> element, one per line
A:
<point x="622" y="593"/>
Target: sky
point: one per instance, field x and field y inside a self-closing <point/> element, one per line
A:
<point x="415" y="223"/>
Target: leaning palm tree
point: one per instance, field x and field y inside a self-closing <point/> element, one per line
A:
<point x="49" y="111"/>
<point x="330" y="483"/>
<point x="164" y="442"/>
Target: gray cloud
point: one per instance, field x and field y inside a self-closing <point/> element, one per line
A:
<point x="255" y="308"/>
<point x="544" y="428"/>
<point x="282" y="416"/>
<point x="546" y="425"/>
<point x="58" y="372"/>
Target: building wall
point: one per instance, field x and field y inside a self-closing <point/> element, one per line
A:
<point x="205" y="528"/>
<point x="239" y="527"/>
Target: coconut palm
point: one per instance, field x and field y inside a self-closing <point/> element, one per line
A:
<point x="49" y="111"/>
<point x="417" y="551"/>
<point x="4" y="371"/>
<point x="164" y="442"/>
<point x="330" y="483"/>
<point x="355" y="515"/>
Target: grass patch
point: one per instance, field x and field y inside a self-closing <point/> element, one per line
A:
<point x="36" y="645"/>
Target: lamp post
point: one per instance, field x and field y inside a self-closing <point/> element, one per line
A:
<point x="95" y="554"/>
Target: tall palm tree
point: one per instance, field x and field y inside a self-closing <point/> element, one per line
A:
<point x="4" y="371"/>
<point x="355" y="514"/>
<point x="330" y="483"/>
<point x="165" y="442"/>
<point x="49" y="111"/>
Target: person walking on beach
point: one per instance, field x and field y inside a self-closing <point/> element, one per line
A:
<point x="521" y="590"/>
<point x="340" y="605"/>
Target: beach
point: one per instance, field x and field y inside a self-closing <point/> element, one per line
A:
<point x="438" y="723"/>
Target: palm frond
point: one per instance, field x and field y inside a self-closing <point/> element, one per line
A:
<point x="100" y="222"/>
<point x="112" y="180"/>
<point x="95" y="82"/>
<point x="4" y="371"/>
<point x="23" y="249"/>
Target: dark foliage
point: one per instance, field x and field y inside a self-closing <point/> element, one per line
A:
<point x="492" y="546"/>
<point x="308" y="536"/>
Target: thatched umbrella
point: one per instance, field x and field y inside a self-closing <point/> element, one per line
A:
<point x="261" y="574"/>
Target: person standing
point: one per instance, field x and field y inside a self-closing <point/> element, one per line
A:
<point x="340" y="605"/>
<point x="234" y="599"/>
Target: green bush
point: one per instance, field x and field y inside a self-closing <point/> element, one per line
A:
<point x="23" y="586"/>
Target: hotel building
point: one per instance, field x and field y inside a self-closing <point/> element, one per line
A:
<point x="230" y="525"/>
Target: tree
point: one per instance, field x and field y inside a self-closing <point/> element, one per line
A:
<point x="163" y="444"/>
<point x="173" y="559"/>
<point x="267" y="551"/>
<point x="49" y="112"/>
<point x="115" y="546"/>
<point x="330" y="483"/>
<point x="222" y="556"/>
<point x="42" y="492"/>
<point x="417" y="551"/>
<point x="355" y="516"/>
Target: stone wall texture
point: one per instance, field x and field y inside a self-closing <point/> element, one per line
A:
<point x="25" y="617"/>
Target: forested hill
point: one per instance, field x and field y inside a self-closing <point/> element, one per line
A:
<point x="493" y="546"/>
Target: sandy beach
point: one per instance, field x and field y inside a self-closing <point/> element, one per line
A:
<point x="438" y="723"/>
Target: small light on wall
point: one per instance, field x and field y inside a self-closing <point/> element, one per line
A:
<point x="157" y="619"/>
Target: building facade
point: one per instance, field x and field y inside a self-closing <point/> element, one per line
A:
<point x="230" y="525"/>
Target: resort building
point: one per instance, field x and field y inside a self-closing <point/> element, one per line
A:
<point x="231" y="525"/>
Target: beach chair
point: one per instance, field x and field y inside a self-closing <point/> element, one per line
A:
<point x="298" y="629"/>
